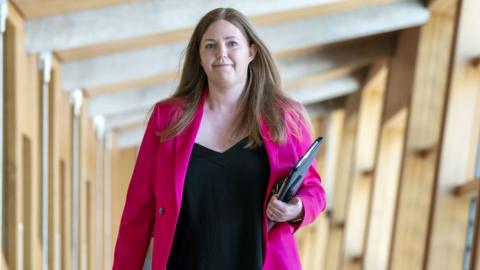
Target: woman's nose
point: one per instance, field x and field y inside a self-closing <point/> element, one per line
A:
<point x="221" y="52"/>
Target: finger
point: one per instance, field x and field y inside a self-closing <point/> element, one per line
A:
<point x="273" y="199"/>
<point x="276" y="213"/>
<point x="271" y="215"/>
<point x="279" y="208"/>
<point x="279" y="203"/>
<point x="293" y="201"/>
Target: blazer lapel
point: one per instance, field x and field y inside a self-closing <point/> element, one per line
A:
<point x="271" y="148"/>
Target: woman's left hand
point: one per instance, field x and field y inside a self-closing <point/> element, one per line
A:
<point x="279" y="211"/>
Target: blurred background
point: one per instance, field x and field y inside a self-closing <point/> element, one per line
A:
<point x="392" y="85"/>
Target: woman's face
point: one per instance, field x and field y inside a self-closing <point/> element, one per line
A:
<point x="225" y="54"/>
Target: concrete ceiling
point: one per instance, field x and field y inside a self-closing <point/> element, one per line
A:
<point x="320" y="46"/>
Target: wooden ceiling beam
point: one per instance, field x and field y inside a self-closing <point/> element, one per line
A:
<point x="32" y="9"/>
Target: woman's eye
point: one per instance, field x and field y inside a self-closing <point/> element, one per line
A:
<point x="209" y="46"/>
<point x="232" y="43"/>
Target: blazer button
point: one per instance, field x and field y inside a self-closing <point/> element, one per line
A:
<point x="160" y="211"/>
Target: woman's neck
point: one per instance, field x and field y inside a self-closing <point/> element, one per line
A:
<point x="224" y="98"/>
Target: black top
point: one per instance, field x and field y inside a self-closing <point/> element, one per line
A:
<point x="220" y="221"/>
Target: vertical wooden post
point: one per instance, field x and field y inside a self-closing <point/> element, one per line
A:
<point x="390" y="145"/>
<point x="458" y="152"/>
<point x="409" y="248"/>
<point x="123" y="161"/>
<point x="319" y="227"/>
<point x="370" y="112"/>
<point x="343" y="180"/>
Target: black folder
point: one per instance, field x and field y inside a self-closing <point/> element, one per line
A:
<point x="288" y="187"/>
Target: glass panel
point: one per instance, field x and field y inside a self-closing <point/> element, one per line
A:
<point x="470" y="228"/>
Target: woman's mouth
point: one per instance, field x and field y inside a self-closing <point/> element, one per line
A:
<point x="221" y="65"/>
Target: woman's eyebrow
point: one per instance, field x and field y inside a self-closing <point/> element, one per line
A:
<point x="225" y="38"/>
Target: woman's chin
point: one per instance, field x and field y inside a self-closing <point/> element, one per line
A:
<point x="224" y="81"/>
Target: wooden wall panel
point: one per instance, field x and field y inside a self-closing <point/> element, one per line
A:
<point x="54" y="213"/>
<point x="390" y="148"/>
<point x="30" y="102"/>
<point x="64" y="167"/>
<point x="22" y="109"/>
<point x="329" y="126"/>
<point x="459" y="147"/>
<point x="332" y="145"/>
<point x="90" y="182"/>
<point x="343" y="180"/>
<point x="320" y="226"/>
<point x="422" y="138"/>
<point x="87" y="188"/>
<point x="312" y="237"/>
<point x="370" y="113"/>
<point x="108" y="174"/>
<point x="123" y="162"/>
<point x="14" y="30"/>
<point x="99" y="204"/>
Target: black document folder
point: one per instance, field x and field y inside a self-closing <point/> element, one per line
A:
<point x="288" y="187"/>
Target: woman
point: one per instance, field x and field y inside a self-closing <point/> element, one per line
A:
<point x="210" y="156"/>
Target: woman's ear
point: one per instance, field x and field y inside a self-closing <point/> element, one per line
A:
<point x="252" y="52"/>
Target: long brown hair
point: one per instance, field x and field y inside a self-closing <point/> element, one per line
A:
<point x="262" y="96"/>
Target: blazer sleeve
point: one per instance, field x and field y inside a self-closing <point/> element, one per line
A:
<point x="138" y="216"/>
<point x="311" y="192"/>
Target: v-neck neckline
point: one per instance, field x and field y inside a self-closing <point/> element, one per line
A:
<point x="231" y="148"/>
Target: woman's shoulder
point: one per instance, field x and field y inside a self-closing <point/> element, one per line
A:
<point x="166" y="110"/>
<point x="297" y="121"/>
<point x="170" y="104"/>
<point x="295" y="114"/>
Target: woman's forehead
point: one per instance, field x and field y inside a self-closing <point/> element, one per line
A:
<point x="222" y="30"/>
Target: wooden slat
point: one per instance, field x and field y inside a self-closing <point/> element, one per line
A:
<point x="31" y="9"/>
<point x="112" y="47"/>
<point x="15" y="72"/>
<point x="123" y="161"/>
<point x="320" y="227"/>
<point x="370" y="113"/>
<point x="54" y="192"/>
<point x="64" y="156"/>
<point x="333" y="144"/>
<point x="458" y="154"/>
<point x="343" y="181"/>
<point x="467" y="188"/>
<point x="108" y="171"/>
<point x="427" y="105"/>
<point x="88" y="175"/>
<point x="390" y="145"/>
<point x="314" y="240"/>
<point x="304" y="241"/>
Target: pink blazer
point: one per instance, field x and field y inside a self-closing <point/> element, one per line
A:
<point x="155" y="194"/>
